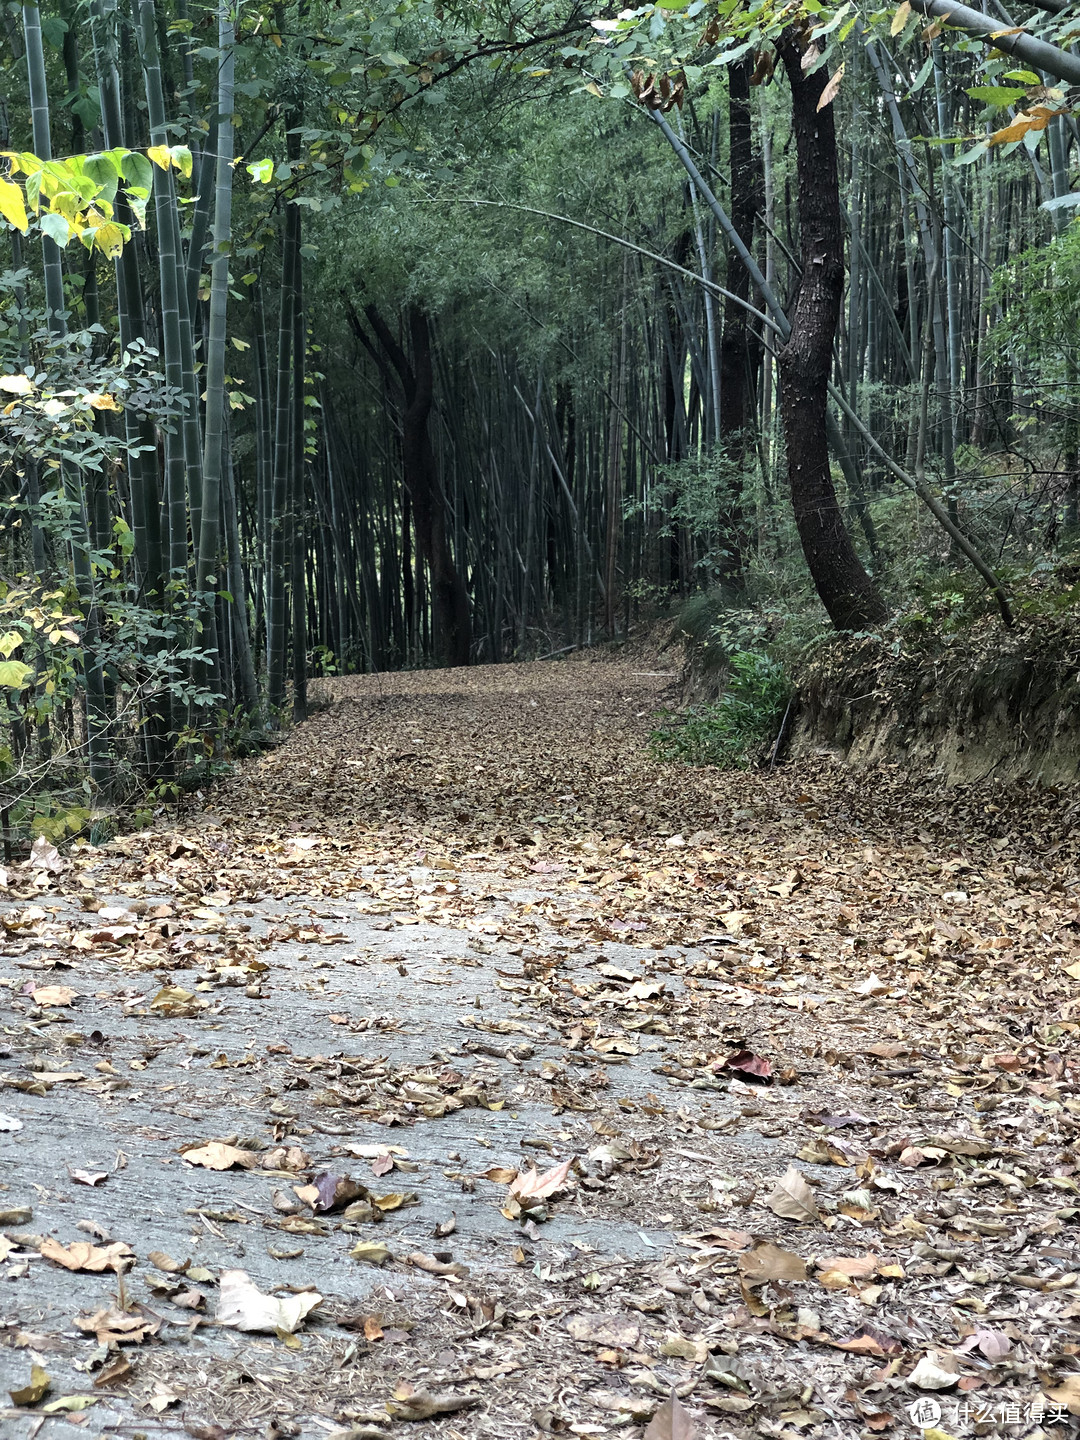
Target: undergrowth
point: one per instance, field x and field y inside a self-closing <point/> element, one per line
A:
<point x="732" y="731"/>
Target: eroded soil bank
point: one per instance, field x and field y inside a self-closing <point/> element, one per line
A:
<point x="807" y="1039"/>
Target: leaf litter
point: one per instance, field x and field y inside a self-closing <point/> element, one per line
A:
<point x="700" y="985"/>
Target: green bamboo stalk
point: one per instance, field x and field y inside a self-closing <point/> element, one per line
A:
<point x="209" y="534"/>
<point x="97" y="710"/>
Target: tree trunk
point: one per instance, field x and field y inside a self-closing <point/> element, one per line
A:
<point x="846" y="591"/>
<point x="739" y="355"/>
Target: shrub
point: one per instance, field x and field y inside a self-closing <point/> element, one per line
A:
<point x="730" y="732"/>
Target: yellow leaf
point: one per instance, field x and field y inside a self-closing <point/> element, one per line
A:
<point x="11" y="205"/>
<point x="159" y="154"/>
<point x="16" y="384"/>
<point x="109" y="239"/>
<point x="900" y="19"/>
<point x="103" y="402"/>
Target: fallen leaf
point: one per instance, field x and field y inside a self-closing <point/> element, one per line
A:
<point x="84" y="1256"/>
<point x="1067" y="1393"/>
<point x="410" y="1404"/>
<point x="792" y="1199"/>
<point x="618" y="1331"/>
<point x="872" y="985"/>
<point x="173" y="1001"/>
<point x="119" y="1327"/>
<point x="434" y="1266"/>
<point x="53" y="997"/>
<point x="40" y="1380"/>
<point x="531" y="1186"/>
<point x="116" y="1373"/>
<point x="868" y="1341"/>
<point x="243" y="1306"/>
<point x="935" y="1372"/>
<point x="500" y="1174"/>
<point x="748" y="1063"/>
<point x="769" y="1262"/>
<point x="671" y="1422"/>
<point x="70" y="1403"/>
<point x="862" y="1266"/>
<point x="45" y="856"/>
<point x="89" y="1177"/>
<point x="166" y="1262"/>
<point x="217" y="1156"/>
<point x="370" y="1252"/>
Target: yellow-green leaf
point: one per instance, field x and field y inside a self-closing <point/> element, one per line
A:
<point x="12" y="206"/>
<point x="14" y="674"/>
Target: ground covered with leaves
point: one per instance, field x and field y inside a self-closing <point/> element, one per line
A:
<point x="461" y="1070"/>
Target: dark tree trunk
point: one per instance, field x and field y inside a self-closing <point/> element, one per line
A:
<point x="451" y="621"/>
<point x="449" y="597"/>
<point x="737" y="359"/>
<point x="740" y="352"/>
<point x="846" y="590"/>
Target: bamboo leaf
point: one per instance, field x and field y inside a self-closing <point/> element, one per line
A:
<point x="900" y="19"/>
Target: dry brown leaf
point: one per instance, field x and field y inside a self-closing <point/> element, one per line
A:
<point x="671" y="1422"/>
<point x="84" y="1256"/>
<point x="216" y="1156"/>
<point x="89" y="1177"/>
<point x="793" y="1199"/>
<point x="53" y="997"/>
<point x="166" y="1262"/>
<point x="531" y="1186"/>
<point x="769" y="1262"/>
<point x="1067" y="1393"/>
<point x="851" y="1266"/>
<point x="621" y="1332"/>
<point x="410" y="1404"/>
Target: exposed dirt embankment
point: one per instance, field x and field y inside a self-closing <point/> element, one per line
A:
<point x="978" y="703"/>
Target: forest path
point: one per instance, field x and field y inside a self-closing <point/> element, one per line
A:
<point x="461" y="923"/>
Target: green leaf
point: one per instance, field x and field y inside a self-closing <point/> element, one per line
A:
<point x="261" y="171"/>
<point x="975" y="153"/>
<point x="56" y="227"/>
<point x="997" y="94"/>
<point x="138" y="171"/>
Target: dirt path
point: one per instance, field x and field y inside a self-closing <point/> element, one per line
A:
<point x="807" y="1040"/>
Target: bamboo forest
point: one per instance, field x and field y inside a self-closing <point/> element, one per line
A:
<point x="350" y="341"/>
<point x="539" y="719"/>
